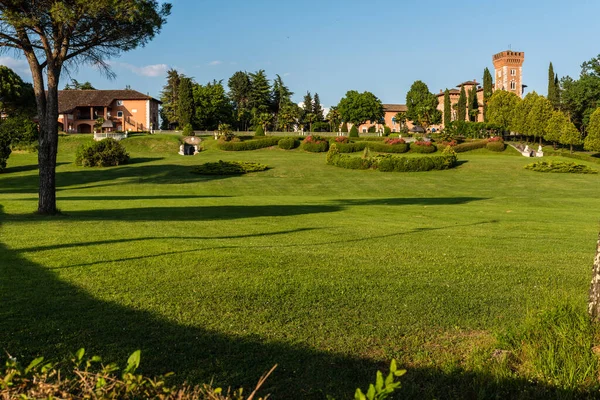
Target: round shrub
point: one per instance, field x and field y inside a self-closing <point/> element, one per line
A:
<point x="105" y="153"/>
<point x="315" y="144"/>
<point x="387" y="130"/>
<point x="495" y="146"/>
<point x="259" y="131"/>
<point x="422" y="147"/>
<point x="188" y="130"/>
<point x="288" y="143"/>
<point x="353" y="131"/>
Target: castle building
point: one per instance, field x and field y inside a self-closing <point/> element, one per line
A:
<point x="509" y="71"/>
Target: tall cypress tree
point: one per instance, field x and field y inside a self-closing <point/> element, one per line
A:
<point x="552" y="94"/>
<point x="557" y="89"/>
<point x="470" y="105"/>
<point x="488" y="90"/>
<point x="186" y="102"/>
<point x="447" y="109"/>
<point x="473" y="104"/>
<point x="462" y="105"/>
<point x="317" y="108"/>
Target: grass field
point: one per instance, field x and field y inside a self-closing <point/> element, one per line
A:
<point x="328" y="273"/>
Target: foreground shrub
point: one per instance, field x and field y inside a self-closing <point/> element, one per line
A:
<point x="395" y="146"/>
<point x="22" y="132"/>
<point x="229" y="168"/>
<point x="390" y="163"/>
<point x="495" y="146"/>
<point x="422" y="146"/>
<point x="105" y="153"/>
<point x="556" y="347"/>
<point x="560" y="167"/>
<point x="288" y="143"/>
<point x="253" y="144"/>
<point x="468" y="146"/>
<point x="351" y="147"/>
<point x="315" y="144"/>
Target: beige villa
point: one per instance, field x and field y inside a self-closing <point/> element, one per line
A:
<point x="122" y="110"/>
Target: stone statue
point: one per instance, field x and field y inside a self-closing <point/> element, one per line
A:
<point x="182" y="150"/>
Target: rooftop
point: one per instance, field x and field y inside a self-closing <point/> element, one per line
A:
<point x="395" y="108"/>
<point x="68" y="100"/>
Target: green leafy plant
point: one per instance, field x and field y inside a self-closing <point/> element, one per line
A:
<point x="288" y="143"/>
<point x="105" y="153"/>
<point x="495" y="146"/>
<point x="560" y="167"/>
<point x="259" y="131"/>
<point x="229" y="168"/>
<point x="315" y="144"/>
<point x="353" y="131"/>
<point x="383" y="388"/>
<point x="188" y="130"/>
<point x="468" y="146"/>
<point x="253" y="144"/>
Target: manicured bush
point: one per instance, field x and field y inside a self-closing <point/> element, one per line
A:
<point x="351" y="147"/>
<point x="387" y="130"/>
<point x="259" y="131"/>
<point x="253" y="144"/>
<point x="315" y="144"/>
<point x="468" y="146"/>
<point x="400" y="147"/>
<point x="370" y="139"/>
<point x="422" y="147"/>
<point x="188" y="130"/>
<point x="353" y="131"/>
<point x="105" y="153"/>
<point x="344" y="128"/>
<point x="495" y="146"/>
<point x="560" y="167"/>
<point x="288" y="143"/>
<point x="5" y="150"/>
<point x="229" y="168"/>
<point x="342" y="139"/>
<point x="390" y="163"/>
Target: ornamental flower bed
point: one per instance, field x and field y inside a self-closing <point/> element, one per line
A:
<point x="342" y="139"/>
<point x="422" y="146"/>
<point x="315" y="144"/>
<point x="495" y="139"/>
<point x="394" y="141"/>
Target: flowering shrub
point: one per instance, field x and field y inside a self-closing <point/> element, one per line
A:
<point x="422" y="146"/>
<point x="451" y="143"/>
<point x="393" y="141"/>
<point x="314" y="139"/>
<point x="315" y="144"/>
<point x="342" y="139"/>
<point x="495" y="139"/>
<point x="495" y="146"/>
<point x="422" y="143"/>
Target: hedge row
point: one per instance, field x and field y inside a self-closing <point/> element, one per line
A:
<point x="229" y="168"/>
<point x="350" y="147"/>
<point x="495" y="146"/>
<point x="468" y="146"/>
<point x="389" y="163"/>
<point x="582" y="157"/>
<point x="315" y="147"/>
<point x="354" y="147"/>
<point x="254" y="144"/>
<point x="560" y="167"/>
<point x="288" y="143"/>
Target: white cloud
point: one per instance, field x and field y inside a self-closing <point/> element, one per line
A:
<point x="287" y="74"/>
<point x="151" y="71"/>
<point x="214" y="63"/>
<point x="19" y="66"/>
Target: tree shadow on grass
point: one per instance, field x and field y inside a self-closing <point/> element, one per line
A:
<point x="26" y="168"/>
<point x="126" y="198"/>
<point x="42" y="315"/>
<point x="144" y="160"/>
<point x="405" y="201"/>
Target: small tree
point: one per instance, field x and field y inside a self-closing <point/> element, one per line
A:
<point x="555" y="127"/>
<point x="592" y="141"/>
<point x="353" y="131"/>
<point x="344" y="128"/>
<point x="259" y="131"/>
<point x="447" y="109"/>
<point x="570" y="135"/>
<point x="422" y="105"/>
<point x="501" y="108"/>
<point x="358" y="108"/>
<point x="462" y="105"/>
<point x="186" y="104"/>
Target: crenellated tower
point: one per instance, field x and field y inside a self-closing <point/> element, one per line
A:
<point x="509" y="71"/>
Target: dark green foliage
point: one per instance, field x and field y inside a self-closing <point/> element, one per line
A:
<point x="353" y="131"/>
<point x="229" y="168"/>
<point x="5" y="150"/>
<point x="473" y="104"/>
<point x="16" y="96"/>
<point x="488" y="90"/>
<point x="288" y="143"/>
<point x="552" y="88"/>
<point x="387" y="130"/>
<point x="260" y="93"/>
<point x="350" y="147"/>
<point x="344" y="128"/>
<point x="259" y="131"/>
<point x="358" y="108"/>
<point x="188" y="130"/>
<point x="186" y="107"/>
<point x="468" y="146"/>
<point x="447" y="109"/>
<point x="253" y="144"/>
<point x="317" y="108"/>
<point x="387" y="148"/>
<point x="496" y="146"/>
<point x="560" y="167"/>
<point x="372" y="129"/>
<point x="239" y="93"/>
<point x="320" y="127"/>
<point x="422" y="147"/>
<point x="212" y="106"/>
<point x="21" y="131"/>
<point x="422" y="105"/>
<point x="105" y="153"/>
<point x="461" y="106"/>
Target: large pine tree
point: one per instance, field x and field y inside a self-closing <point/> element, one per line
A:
<point x="552" y="89"/>
<point x="186" y="106"/>
<point x="447" y="109"/>
<point x="462" y="105"/>
<point x="170" y="100"/>
<point x="488" y="90"/>
<point x="317" y="108"/>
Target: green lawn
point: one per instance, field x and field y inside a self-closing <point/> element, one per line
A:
<point x="327" y="272"/>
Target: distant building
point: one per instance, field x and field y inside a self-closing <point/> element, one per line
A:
<point x="122" y="110"/>
<point x="509" y="71"/>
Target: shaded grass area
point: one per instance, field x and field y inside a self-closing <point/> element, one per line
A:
<point x="327" y="272"/>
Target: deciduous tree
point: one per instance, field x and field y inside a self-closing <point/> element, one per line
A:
<point x="54" y="35"/>
<point x="555" y="127"/>
<point x="501" y="109"/>
<point x="421" y="105"/>
<point x="358" y="108"/>
<point x="570" y="135"/>
<point x="212" y="106"/>
<point x="592" y="140"/>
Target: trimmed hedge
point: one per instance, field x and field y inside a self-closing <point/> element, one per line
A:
<point x="350" y="147"/>
<point x="288" y="143"/>
<point x="560" y="167"/>
<point x="353" y="131"/>
<point x="582" y="157"/>
<point x="253" y="144"/>
<point x="229" y="168"/>
<point x="105" y="153"/>
<point x="495" y="146"/>
<point x="468" y="146"/>
<point x="389" y="163"/>
<point x="389" y="148"/>
<point x="421" y="147"/>
<point x="315" y="144"/>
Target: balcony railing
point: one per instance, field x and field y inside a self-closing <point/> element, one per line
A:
<point x="112" y="135"/>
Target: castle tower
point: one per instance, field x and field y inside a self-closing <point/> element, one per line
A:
<point x="509" y="71"/>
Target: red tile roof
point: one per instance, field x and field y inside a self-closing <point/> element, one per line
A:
<point x="395" y="108"/>
<point x="68" y="100"/>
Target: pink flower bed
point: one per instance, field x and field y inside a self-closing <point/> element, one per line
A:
<point x="393" y="141"/>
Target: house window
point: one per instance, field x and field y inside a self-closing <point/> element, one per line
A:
<point x="513" y="72"/>
<point x="364" y="130"/>
<point x="119" y="114"/>
<point x="513" y="85"/>
<point x="119" y="102"/>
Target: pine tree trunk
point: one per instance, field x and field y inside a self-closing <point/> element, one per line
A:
<point x="594" y="299"/>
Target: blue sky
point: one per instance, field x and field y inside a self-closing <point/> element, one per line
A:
<point x="332" y="46"/>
